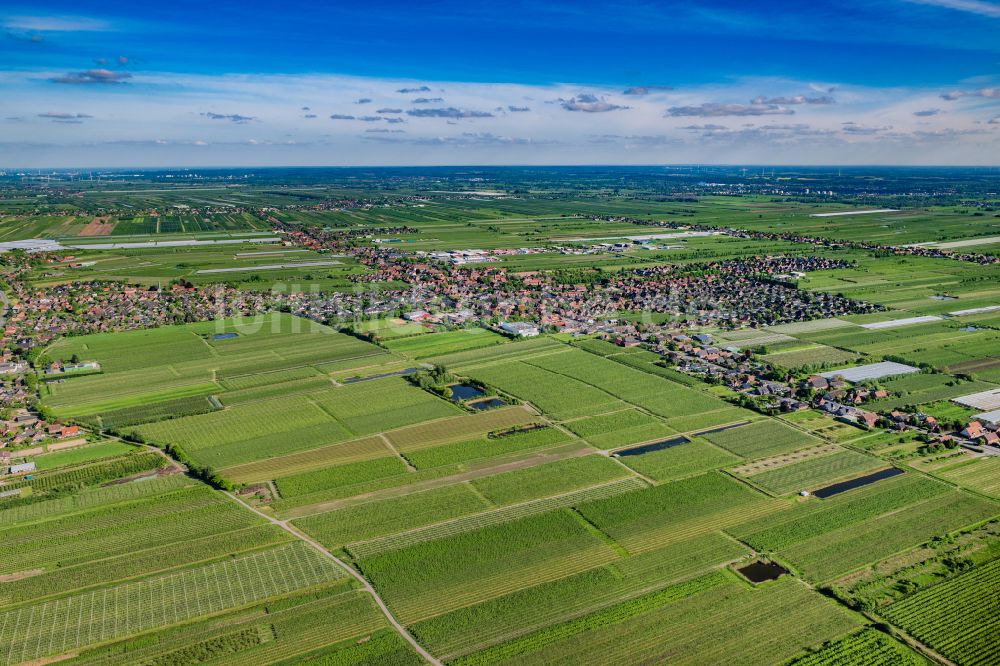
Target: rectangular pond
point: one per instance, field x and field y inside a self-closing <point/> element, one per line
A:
<point x="850" y="484"/>
<point x="483" y="405"/>
<point x="655" y="446"/>
<point x="712" y="431"/>
<point x="460" y="392"/>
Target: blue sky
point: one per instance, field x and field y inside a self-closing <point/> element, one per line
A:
<point x="226" y="83"/>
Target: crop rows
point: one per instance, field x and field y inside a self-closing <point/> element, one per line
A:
<point x="111" y="386"/>
<point x="373" y="547"/>
<point x="869" y="647"/>
<point x="555" y="394"/>
<point x="259" y="447"/>
<point x="662" y="397"/>
<point x="294" y="624"/>
<point x="312" y="384"/>
<point x="293" y="463"/>
<point x="982" y="474"/>
<point x="236" y="423"/>
<point x="660" y="390"/>
<point x="761" y="439"/>
<point x="952" y="617"/>
<point x="615" y="421"/>
<point x="519" y="349"/>
<point x="646" y="519"/>
<point x="809" y="474"/>
<point x="382" y="404"/>
<point x="75" y="621"/>
<point x="267" y="378"/>
<point x="677" y="462"/>
<point x="815" y="518"/>
<point x="548" y="479"/>
<point x="77" y="538"/>
<point x="90" y="499"/>
<point x="709" y="625"/>
<point x="506" y="617"/>
<point x="291" y="487"/>
<point x="156" y="411"/>
<point x="97" y="472"/>
<point x="432" y="577"/>
<point x="554" y="560"/>
<point x="486" y="447"/>
<point x="839" y="551"/>
<point x="609" y="616"/>
<point x="415" y="437"/>
<point x="138" y="561"/>
<point x="437" y="344"/>
<point x="374" y="519"/>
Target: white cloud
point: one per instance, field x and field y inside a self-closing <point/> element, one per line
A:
<point x="980" y="7"/>
<point x="56" y="24"/>
<point x="476" y="125"/>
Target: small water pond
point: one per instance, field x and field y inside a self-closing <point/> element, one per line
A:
<point x="655" y="446"/>
<point x="461" y="392"/>
<point x="759" y="572"/>
<point x="850" y="484"/>
<point x="483" y="405"/>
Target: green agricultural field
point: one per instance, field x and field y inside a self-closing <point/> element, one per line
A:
<point x="524" y="534"/>
<point x="481" y="626"/>
<point x="694" y="621"/>
<point x="270" y="427"/>
<point x="553" y="478"/>
<point x="433" y="577"/>
<point x="82" y="454"/>
<point x="328" y="478"/>
<point x="555" y="394"/>
<point x="676" y="462"/>
<point x="107" y="558"/>
<point x="172" y="598"/>
<point x="392" y="328"/>
<point x="437" y="344"/>
<point x="481" y="448"/>
<point x="183" y="365"/>
<point x="877" y="648"/>
<point x="477" y="521"/>
<point x="831" y="537"/>
<point x="251" y="264"/>
<point x="357" y="450"/>
<point x="619" y="428"/>
<point x="813" y="355"/>
<point x="577" y="383"/>
<point x="371" y="520"/>
<point x="671" y="512"/>
<point x="926" y="388"/>
<point x="761" y="439"/>
<point x="816" y="472"/>
<point x="938" y="616"/>
<point x="824" y="425"/>
<point x="979" y="474"/>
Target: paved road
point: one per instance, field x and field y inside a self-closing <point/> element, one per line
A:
<point x="283" y="524"/>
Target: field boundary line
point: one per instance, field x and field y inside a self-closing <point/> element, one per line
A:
<point x="536" y="457"/>
<point x="902" y="635"/>
<point x="475" y="491"/>
<point x="495" y="508"/>
<point x="385" y="440"/>
<point x="350" y="570"/>
<point x="598" y="606"/>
